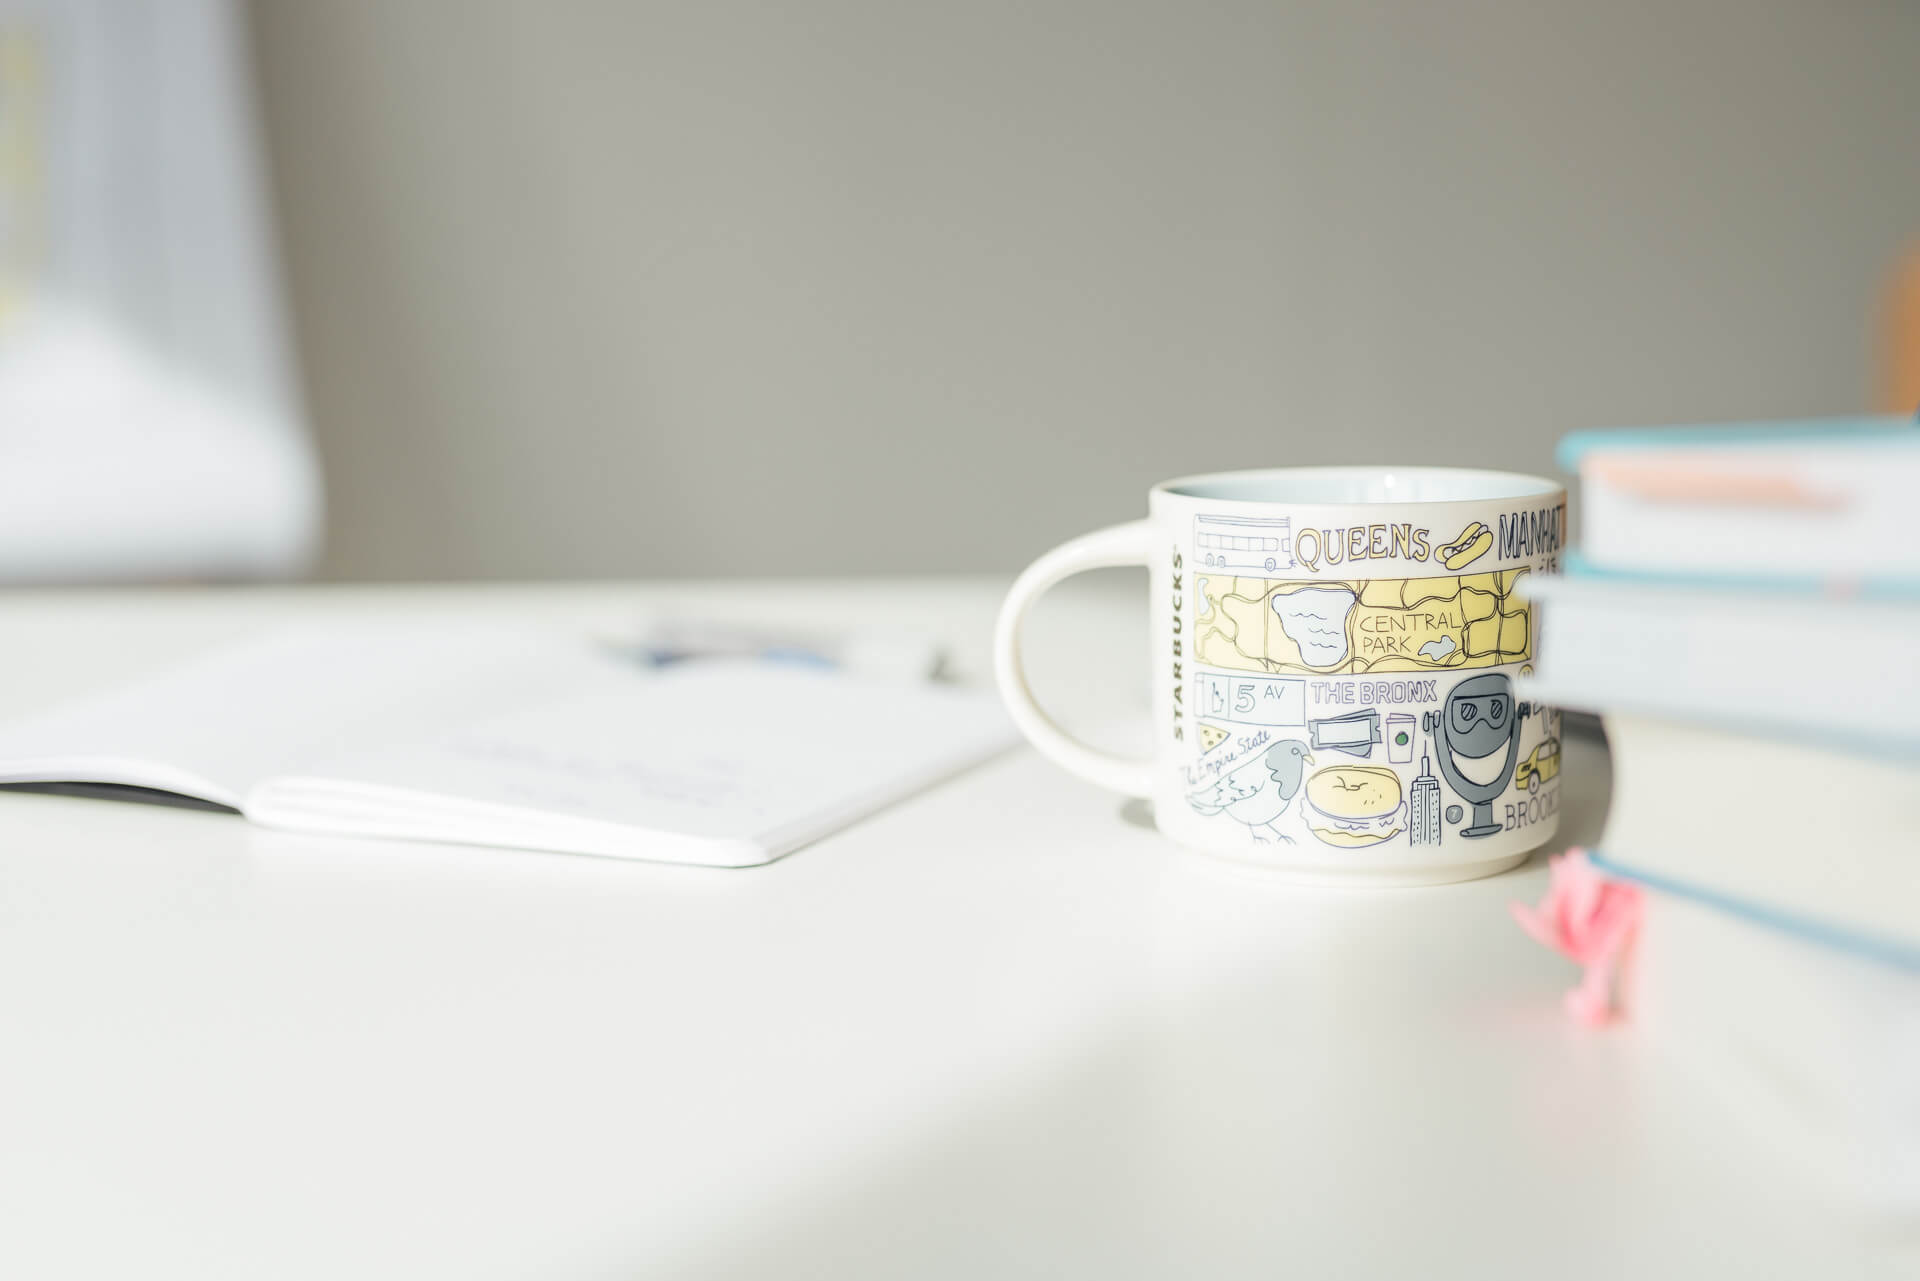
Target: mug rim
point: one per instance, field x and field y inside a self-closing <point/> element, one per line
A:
<point x="1488" y="485"/>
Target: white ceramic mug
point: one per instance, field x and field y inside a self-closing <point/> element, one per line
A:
<point x="1307" y="620"/>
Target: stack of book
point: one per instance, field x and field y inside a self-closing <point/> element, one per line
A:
<point x="1745" y="614"/>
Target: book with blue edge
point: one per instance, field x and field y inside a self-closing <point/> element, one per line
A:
<point x="1743" y="610"/>
<point x="1814" y="503"/>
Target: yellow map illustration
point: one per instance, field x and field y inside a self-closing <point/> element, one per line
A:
<point x="1362" y="625"/>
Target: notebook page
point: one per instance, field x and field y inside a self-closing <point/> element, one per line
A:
<point x="218" y="724"/>
<point x="753" y="759"/>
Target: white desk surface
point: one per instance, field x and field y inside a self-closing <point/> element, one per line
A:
<point x="1003" y="1030"/>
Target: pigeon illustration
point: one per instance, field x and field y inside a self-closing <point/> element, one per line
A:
<point x="1258" y="792"/>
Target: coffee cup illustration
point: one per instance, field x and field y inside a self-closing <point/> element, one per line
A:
<point x="1400" y="738"/>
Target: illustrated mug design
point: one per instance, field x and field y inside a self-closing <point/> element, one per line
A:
<point x="1332" y="652"/>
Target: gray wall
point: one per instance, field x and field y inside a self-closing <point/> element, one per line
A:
<point x="600" y="289"/>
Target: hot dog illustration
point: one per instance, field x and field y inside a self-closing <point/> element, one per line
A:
<point x="1474" y="542"/>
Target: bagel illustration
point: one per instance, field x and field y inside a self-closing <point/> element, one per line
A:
<point x="1354" y="805"/>
<point x="1474" y="542"/>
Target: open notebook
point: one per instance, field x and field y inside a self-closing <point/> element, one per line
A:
<point x="513" y="737"/>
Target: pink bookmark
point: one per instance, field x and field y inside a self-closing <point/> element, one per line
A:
<point x="1590" y="919"/>
<point x="1705" y="478"/>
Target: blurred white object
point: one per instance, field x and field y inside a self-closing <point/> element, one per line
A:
<point x="149" y="426"/>
<point x="116" y="464"/>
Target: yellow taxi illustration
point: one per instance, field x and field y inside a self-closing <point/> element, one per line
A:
<point x="1541" y="766"/>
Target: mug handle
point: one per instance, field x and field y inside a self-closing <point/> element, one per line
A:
<point x="1115" y="546"/>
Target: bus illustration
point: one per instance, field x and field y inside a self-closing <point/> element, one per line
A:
<point x="1243" y="542"/>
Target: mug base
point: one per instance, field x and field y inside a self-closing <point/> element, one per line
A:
<point x="1375" y="878"/>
